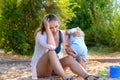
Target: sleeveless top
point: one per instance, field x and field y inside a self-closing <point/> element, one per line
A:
<point x="58" y="48"/>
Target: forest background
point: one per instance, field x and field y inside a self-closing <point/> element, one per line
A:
<point x="99" y="19"/>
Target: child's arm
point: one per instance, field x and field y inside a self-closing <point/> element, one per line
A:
<point x="71" y="31"/>
<point x="81" y="32"/>
<point x="67" y="36"/>
<point x="68" y="32"/>
<point x="72" y="54"/>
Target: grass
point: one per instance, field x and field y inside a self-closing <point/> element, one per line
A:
<point x="100" y="50"/>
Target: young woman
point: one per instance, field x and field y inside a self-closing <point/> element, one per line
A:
<point x="48" y="41"/>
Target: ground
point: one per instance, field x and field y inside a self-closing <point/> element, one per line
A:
<point x="17" y="67"/>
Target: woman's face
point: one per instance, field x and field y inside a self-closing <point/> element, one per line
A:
<point x="54" y="26"/>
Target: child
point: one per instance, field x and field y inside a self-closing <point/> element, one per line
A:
<point x="78" y="48"/>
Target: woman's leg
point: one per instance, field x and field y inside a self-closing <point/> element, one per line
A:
<point x="48" y="62"/>
<point x="76" y="67"/>
<point x="82" y="62"/>
<point x="43" y="67"/>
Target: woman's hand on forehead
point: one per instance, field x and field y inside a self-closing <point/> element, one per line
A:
<point x="46" y="23"/>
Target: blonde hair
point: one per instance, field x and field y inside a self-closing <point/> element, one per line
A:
<point x="51" y="17"/>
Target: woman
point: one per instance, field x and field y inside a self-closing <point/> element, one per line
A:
<point x="48" y="40"/>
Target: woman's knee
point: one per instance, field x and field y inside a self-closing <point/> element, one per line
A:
<point x="51" y="52"/>
<point x="69" y="59"/>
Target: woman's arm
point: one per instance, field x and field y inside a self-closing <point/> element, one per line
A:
<point x="50" y="38"/>
<point x="41" y="39"/>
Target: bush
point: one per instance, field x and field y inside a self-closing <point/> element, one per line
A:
<point x="20" y="18"/>
<point x="96" y="36"/>
<point x="18" y="22"/>
<point x="115" y="35"/>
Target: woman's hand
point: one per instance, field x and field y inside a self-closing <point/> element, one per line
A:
<point x="50" y="38"/>
<point x="46" y="23"/>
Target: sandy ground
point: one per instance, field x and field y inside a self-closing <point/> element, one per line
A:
<point x="17" y="67"/>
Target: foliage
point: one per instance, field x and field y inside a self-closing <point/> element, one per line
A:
<point x="65" y="12"/>
<point x="61" y="9"/>
<point x="18" y="23"/>
<point x="20" y="18"/>
<point x="115" y="29"/>
<point x="105" y="27"/>
<point x="81" y="10"/>
<point x="99" y="19"/>
<point x="85" y="8"/>
<point x="99" y="31"/>
<point x="100" y="50"/>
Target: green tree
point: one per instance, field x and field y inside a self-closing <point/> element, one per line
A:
<point x="115" y="29"/>
<point x="81" y="10"/>
<point x="18" y="22"/>
<point x="20" y="18"/>
<point x="95" y="18"/>
<point x="61" y="8"/>
<point x="100" y="20"/>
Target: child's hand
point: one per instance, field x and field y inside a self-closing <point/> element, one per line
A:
<point x="70" y="52"/>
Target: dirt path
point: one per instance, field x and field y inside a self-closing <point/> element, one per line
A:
<point x="17" y="67"/>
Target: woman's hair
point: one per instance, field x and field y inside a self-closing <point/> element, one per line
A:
<point x="51" y="17"/>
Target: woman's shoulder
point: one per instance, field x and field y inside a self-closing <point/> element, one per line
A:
<point x="39" y="34"/>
